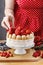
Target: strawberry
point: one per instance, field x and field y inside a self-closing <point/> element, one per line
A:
<point x="17" y="31"/>
<point x="19" y="28"/>
<point x="23" y="32"/>
<point x="28" y="31"/>
<point x="10" y="26"/>
<point x="11" y="30"/>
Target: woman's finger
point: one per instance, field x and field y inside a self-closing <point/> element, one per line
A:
<point x="11" y="19"/>
<point x="4" y="25"/>
<point x="7" y="22"/>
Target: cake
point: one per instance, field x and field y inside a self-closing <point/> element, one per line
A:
<point x="20" y="39"/>
<point x="19" y="34"/>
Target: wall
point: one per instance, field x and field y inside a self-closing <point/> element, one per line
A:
<point x="2" y="30"/>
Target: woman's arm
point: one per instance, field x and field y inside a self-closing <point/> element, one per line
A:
<point x="9" y="14"/>
<point x="9" y="6"/>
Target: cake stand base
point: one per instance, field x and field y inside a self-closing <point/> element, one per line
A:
<point x="20" y="51"/>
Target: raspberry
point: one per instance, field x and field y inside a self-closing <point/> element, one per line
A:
<point x="7" y="55"/>
<point x="38" y="43"/>
<point x="42" y="55"/>
<point x="39" y="52"/>
<point x="4" y="54"/>
<point x="35" y="54"/>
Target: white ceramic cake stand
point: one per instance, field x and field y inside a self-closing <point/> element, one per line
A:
<point x="20" y="45"/>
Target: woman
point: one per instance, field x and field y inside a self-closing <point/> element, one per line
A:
<point x="24" y="13"/>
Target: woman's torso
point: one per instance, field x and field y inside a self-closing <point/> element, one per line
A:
<point x="31" y="11"/>
<point x="30" y="3"/>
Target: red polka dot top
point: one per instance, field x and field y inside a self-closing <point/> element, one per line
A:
<point x="29" y="14"/>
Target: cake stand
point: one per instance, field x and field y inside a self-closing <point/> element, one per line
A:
<point x="20" y="45"/>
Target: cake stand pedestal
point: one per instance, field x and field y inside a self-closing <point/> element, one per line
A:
<point x="20" y="51"/>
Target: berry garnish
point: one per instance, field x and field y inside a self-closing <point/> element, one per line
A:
<point x="38" y="43"/>
<point x="23" y="32"/>
<point x="42" y="55"/>
<point x="6" y="54"/>
<point x="37" y="39"/>
<point x="36" y="54"/>
<point x="17" y="31"/>
<point x="28" y="31"/>
<point x="11" y="30"/>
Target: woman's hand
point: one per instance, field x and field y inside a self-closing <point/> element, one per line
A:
<point x="9" y="14"/>
<point x="8" y="21"/>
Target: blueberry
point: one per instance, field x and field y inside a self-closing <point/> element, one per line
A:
<point x="1" y="44"/>
<point x="6" y="47"/>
